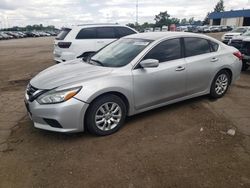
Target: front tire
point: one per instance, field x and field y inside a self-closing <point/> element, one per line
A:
<point x="220" y="84"/>
<point x="106" y="115"/>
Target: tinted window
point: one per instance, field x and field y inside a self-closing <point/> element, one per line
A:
<point x="166" y="51"/>
<point x="105" y="33"/>
<point x="196" y="46"/>
<point x="87" y="33"/>
<point x="124" y="31"/>
<point x="63" y="34"/>
<point x="214" y="46"/>
<point x="246" y="48"/>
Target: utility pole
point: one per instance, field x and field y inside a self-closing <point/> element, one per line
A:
<point x="136" y="12"/>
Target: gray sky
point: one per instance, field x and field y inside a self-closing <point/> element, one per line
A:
<point x="71" y="12"/>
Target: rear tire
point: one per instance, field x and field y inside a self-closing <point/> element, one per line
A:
<point x="106" y="115"/>
<point x="220" y="84"/>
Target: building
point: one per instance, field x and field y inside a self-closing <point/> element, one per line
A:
<point x="230" y="18"/>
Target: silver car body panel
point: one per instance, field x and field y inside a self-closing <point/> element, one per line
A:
<point x="144" y="89"/>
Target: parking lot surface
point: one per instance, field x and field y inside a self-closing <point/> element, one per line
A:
<point x="181" y="145"/>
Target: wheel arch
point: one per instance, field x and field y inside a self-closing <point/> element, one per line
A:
<point x="119" y="94"/>
<point x="228" y="70"/>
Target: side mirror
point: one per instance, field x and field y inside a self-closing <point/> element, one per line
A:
<point x="86" y="55"/>
<point x="149" y="63"/>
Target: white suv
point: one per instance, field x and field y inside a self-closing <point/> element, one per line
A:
<point x="235" y="32"/>
<point x="83" y="40"/>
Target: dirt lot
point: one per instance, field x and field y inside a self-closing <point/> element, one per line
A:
<point x="181" y="145"/>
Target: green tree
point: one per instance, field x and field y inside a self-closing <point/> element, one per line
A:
<point x="131" y="25"/>
<point x="183" y="21"/>
<point x="191" y="20"/>
<point x="219" y="7"/>
<point x="206" y="19"/>
<point x="175" y="21"/>
<point x="162" y="19"/>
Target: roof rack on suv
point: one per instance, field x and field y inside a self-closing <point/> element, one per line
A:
<point x="98" y="24"/>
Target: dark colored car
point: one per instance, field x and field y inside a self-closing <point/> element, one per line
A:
<point x="242" y="43"/>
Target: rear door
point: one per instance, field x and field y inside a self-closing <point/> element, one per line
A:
<point x="85" y="41"/>
<point x="105" y="35"/>
<point x="200" y="63"/>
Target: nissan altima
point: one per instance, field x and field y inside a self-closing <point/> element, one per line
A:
<point x="134" y="74"/>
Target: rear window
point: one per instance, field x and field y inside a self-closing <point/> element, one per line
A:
<point x="246" y="48"/>
<point x="124" y="31"/>
<point x="105" y="32"/>
<point x="214" y="46"/>
<point x="196" y="46"/>
<point x="87" y="33"/>
<point x="64" y="32"/>
<point x="236" y="43"/>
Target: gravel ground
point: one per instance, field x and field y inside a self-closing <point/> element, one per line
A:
<point x="181" y="145"/>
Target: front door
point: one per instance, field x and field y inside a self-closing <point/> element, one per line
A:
<point x="166" y="82"/>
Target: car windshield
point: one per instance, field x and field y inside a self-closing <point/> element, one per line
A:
<point x="239" y="30"/>
<point x="120" y="52"/>
<point x="246" y="33"/>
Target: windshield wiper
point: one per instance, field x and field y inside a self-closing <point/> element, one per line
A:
<point x="96" y="61"/>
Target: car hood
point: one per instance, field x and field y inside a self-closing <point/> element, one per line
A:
<point x="232" y="34"/>
<point x="238" y="37"/>
<point x="66" y="73"/>
<point x="246" y="39"/>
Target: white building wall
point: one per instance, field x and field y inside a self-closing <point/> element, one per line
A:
<point x="231" y="21"/>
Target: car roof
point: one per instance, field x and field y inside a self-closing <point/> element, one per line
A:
<point x="96" y="25"/>
<point x="162" y="35"/>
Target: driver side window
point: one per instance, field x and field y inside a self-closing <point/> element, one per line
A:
<point x="165" y="51"/>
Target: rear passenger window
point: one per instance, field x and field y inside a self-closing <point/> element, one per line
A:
<point x="166" y="51"/>
<point x="64" y="32"/>
<point x="105" y="33"/>
<point x="87" y="33"/>
<point x="196" y="46"/>
<point x="214" y="46"/>
<point x="124" y="31"/>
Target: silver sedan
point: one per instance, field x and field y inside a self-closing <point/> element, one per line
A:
<point x="133" y="74"/>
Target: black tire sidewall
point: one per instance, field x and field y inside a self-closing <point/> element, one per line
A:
<point x="213" y="93"/>
<point x="94" y="106"/>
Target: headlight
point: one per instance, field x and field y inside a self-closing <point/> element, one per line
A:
<point x="54" y="96"/>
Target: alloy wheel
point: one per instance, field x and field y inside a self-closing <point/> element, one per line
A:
<point x="108" y="116"/>
<point x="221" y="84"/>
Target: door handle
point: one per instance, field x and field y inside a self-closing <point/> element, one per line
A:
<point x="180" y="68"/>
<point x="214" y="59"/>
<point x="100" y="41"/>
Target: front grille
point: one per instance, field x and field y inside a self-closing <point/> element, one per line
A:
<point x="31" y="90"/>
<point x="34" y="92"/>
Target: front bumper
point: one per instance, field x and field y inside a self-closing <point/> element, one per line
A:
<point x="63" y="117"/>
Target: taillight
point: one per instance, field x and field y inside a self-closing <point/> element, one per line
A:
<point x="238" y="54"/>
<point x="64" y="44"/>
